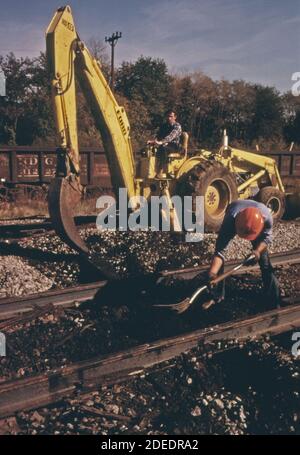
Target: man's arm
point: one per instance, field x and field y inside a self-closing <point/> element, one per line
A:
<point x="156" y="140"/>
<point x="259" y="249"/>
<point x="215" y="266"/>
<point x="226" y="233"/>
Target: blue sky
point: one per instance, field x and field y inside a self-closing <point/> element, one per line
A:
<point x="254" y="40"/>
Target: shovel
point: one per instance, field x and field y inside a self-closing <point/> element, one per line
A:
<point x="185" y="304"/>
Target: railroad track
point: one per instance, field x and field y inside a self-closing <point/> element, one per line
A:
<point x="48" y="388"/>
<point x="14" y="232"/>
<point x="13" y="306"/>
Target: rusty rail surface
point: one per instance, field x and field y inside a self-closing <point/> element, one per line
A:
<point x="19" y="231"/>
<point x="11" y="306"/>
<point x="44" y="389"/>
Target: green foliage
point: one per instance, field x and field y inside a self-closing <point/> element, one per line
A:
<point x="252" y="114"/>
<point x="25" y="111"/>
<point x="146" y="81"/>
<point x="268" y="114"/>
<point x="291" y="114"/>
<point x="183" y="99"/>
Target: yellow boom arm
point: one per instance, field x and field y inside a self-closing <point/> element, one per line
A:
<point x="67" y="56"/>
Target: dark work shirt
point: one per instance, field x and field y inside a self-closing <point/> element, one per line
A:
<point x="228" y="231"/>
<point x="169" y="133"/>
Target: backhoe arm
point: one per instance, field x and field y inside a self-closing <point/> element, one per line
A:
<point x="110" y="119"/>
<point x="61" y="41"/>
<point x="67" y="56"/>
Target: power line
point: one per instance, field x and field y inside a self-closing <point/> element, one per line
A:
<point x="112" y="40"/>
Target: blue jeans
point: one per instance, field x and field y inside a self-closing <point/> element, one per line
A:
<point x="270" y="282"/>
<point x="163" y="151"/>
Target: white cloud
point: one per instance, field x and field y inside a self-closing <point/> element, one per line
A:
<point x="256" y="40"/>
<point x="220" y="38"/>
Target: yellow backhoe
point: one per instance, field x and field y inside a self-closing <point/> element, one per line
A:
<point x="220" y="177"/>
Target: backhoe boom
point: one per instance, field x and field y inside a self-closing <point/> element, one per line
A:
<point x="67" y="57"/>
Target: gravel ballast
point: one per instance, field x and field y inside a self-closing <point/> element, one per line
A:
<point x="18" y="278"/>
<point x="192" y="394"/>
<point x="252" y="390"/>
<point x="133" y="253"/>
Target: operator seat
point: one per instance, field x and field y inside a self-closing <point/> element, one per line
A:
<point x="182" y="152"/>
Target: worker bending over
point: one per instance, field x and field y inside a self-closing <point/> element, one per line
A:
<point x="252" y="221"/>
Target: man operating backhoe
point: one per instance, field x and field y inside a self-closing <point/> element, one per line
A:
<point x="167" y="138"/>
<point x="252" y="221"/>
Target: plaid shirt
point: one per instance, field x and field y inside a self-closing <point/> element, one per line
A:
<point x="170" y="133"/>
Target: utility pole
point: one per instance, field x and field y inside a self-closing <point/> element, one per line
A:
<point x="112" y="40"/>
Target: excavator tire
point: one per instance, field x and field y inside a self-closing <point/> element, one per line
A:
<point x="218" y="186"/>
<point x="274" y="199"/>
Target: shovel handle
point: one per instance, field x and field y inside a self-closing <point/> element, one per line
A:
<point x="231" y="271"/>
<point x="216" y="281"/>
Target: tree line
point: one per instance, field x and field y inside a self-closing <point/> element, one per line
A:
<point x="253" y="114"/>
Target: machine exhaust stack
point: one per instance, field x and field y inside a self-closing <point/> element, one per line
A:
<point x="225" y="140"/>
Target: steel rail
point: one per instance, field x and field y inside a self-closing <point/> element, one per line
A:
<point x="18" y="231"/>
<point x="47" y="388"/>
<point x="11" y="306"/>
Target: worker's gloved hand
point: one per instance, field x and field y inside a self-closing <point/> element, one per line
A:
<point x="253" y="258"/>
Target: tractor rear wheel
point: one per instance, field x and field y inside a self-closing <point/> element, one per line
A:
<point x="218" y="186"/>
<point x="274" y="199"/>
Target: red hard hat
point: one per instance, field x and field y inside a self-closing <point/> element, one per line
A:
<point x="249" y="223"/>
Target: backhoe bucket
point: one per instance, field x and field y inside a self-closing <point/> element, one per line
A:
<point x="64" y="195"/>
<point x="293" y="205"/>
